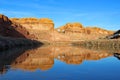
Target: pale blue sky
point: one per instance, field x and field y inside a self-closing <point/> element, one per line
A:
<point x="101" y="13"/>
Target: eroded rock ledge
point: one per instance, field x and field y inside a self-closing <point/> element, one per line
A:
<point x="13" y="34"/>
<point x="34" y="23"/>
<point x="12" y="29"/>
<point x="43" y="30"/>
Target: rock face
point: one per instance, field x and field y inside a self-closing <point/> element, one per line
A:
<point x="72" y="26"/>
<point x="35" y="24"/>
<point x="76" y="31"/>
<point x="11" y="29"/>
<point x="4" y="22"/>
<point x="78" y="28"/>
<point x="43" y="30"/>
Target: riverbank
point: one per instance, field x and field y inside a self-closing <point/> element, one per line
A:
<point x="8" y="42"/>
<point x="100" y="44"/>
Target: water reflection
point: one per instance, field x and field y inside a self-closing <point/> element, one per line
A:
<point x="9" y="56"/>
<point x="43" y="57"/>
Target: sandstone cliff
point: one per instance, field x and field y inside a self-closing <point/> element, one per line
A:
<point x="43" y="30"/>
<point x="34" y="23"/>
<point x="12" y="29"/>
<point x="72" y="26"/>
<point x="76" y="31"/>
<point x="79" y="28"/>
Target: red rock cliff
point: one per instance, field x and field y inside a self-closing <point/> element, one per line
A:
<point x="76" y="31"/>
<point x="12" y="29"/>
<point x="42" y="28"/>
<point x="35" y="24"/>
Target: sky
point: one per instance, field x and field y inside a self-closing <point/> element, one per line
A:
<point x="100" y="13"/>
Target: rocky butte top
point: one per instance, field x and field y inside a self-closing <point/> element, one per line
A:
<point x="35" y="23"/>
<point x="79" y="28"/>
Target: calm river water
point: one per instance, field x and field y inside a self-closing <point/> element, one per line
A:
<point x="59" y="63"/>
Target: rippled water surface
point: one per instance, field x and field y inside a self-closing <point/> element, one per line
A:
<point x="60" y="63"/>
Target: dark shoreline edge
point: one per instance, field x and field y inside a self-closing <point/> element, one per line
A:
<point x="100" y="44"/>
<point x="9" y="43"/>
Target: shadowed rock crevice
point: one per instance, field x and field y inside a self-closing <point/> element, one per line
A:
<point x="12" y="29"/>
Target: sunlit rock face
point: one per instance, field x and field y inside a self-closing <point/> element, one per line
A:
<point x="42" y="28"/>
<point x="11" y="29"/>
<point x="72" y="26"/>
<point x="96" y="30"/>
<point x="79" y="28"/>
<point x="76" y="31"/>
<point x="34" y="23"/>
<point x="43" y="57"/>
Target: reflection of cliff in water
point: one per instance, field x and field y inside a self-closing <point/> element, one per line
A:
<point x="36" y="59"/>
<point x="43" y="58"/>
<point x="76" y="55"/>
<point x="8" y="57"/>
